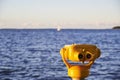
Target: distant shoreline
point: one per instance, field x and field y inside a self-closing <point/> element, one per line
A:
<point x="116" y="27"/>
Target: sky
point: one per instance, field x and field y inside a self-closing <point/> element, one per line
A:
<point x="82" y="14"/>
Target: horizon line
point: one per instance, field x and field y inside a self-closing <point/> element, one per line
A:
<point x="53" y="28"/>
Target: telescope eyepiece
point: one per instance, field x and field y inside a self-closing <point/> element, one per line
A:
<point x="88" y="56"/>
<point x="80" y="56"/>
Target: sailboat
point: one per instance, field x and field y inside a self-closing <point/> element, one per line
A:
<point x="58" y="28"/>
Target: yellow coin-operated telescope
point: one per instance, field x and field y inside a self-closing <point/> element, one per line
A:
<point x="79" y="53"/>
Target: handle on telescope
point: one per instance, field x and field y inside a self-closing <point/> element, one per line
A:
<point x="63" y="52"/>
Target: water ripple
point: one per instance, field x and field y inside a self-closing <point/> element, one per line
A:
<point x="34" y="54"/>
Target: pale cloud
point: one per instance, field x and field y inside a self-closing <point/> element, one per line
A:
<point x="96" y="25"/>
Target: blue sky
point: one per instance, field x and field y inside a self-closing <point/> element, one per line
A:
<point x="92" y="14"/>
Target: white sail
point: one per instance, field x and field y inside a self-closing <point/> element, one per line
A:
<point x="58" y="28"/>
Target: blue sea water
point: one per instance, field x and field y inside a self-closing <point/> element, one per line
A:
<point x="33" y="54"/>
